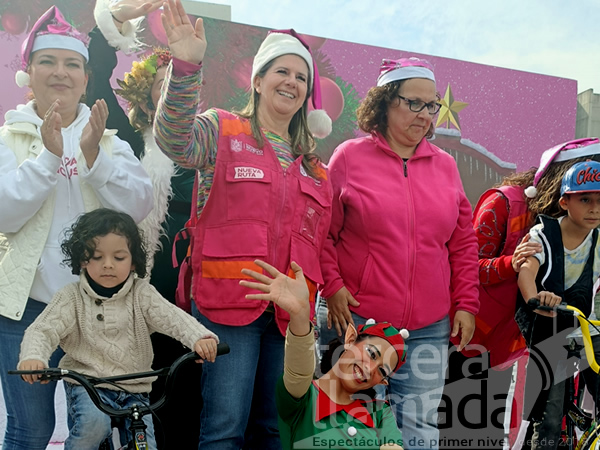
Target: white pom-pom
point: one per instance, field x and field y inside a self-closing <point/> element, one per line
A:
<point x="370" y="322"/>
<point x="319" y="123"/>
<point x="531" y="192"/>
<point x="22" y="78"/>
<point x="404" y="333"/>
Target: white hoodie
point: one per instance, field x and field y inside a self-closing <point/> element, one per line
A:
<point x="117" y="179"/>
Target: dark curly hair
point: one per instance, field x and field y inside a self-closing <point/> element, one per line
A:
<point x="372" y="115"/>
<point x="80" y="240"/>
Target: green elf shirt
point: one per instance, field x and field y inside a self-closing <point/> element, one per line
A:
<point x="313" y="421"/>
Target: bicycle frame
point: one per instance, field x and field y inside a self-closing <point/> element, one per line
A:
<point x="590" y="438"/>
<point x="136" y="412"/>
<point x="587" y="338"/>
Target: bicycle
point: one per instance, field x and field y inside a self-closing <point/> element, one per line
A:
<point x="575" y="416"/>
<point x="135" y="412"/>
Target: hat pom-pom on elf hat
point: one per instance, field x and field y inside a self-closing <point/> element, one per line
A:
<point x="386" y="331"/>
<point x="51" y="30"/>
<point x="563" y="152"/>
<point x="286" y="42"/>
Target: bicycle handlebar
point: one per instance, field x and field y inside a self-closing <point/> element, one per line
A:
<point x="89" y="382"/>
<point x="534" y="303"/>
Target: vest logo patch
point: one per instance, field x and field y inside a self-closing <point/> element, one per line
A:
<point x="236" y="146"/>
<point x="248" y="172"/>
<point x="251" y="149"/>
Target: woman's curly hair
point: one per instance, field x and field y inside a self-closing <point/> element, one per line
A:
<point x="136" y="88"/>
<point x="548" y="188"/>
<point x="372" y="115"/>
<point x="80" y="240"/>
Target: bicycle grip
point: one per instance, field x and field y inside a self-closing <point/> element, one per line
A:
<point x="222" y="348"/>
<point x="534" y="303"/>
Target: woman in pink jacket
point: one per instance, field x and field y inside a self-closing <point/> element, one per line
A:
<point x="401" y="247"/>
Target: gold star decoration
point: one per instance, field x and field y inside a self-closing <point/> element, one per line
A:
<point x="449" y="110"/>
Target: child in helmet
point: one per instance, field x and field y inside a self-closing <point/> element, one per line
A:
<point x="563" y="272"/>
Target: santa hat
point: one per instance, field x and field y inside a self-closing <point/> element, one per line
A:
<point x="286" y="42"/>
<point x="563" y="152"/>
<point x="386" y="331"/>
<point x="404" y="69"/>
<point x="50" y="31"/>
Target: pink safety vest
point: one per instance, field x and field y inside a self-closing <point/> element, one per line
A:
<point x="496" y="328"/>
<point x="255" y="210"/>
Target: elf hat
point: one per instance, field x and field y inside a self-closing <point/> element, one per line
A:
<point x="386" y="331"/>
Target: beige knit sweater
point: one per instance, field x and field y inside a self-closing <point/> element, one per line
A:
<point x="108" y="336"/>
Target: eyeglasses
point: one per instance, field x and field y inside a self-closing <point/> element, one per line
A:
<point x="420" y="105"/>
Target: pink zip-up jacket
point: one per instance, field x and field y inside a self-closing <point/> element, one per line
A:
<point x="401" y="239"/>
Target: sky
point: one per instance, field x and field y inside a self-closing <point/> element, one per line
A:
<point x="550" y="37"/>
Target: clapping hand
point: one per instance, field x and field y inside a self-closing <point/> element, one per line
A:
<point x="93" y="132"/>
<point x="290" y="294"/>
<point x="51" y="130"/>
<point x="186" y="42"/>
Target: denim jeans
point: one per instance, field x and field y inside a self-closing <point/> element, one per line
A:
<point x="415" y="391"/>
<point x="89" y="427"/>
<point x="238" y="389"/>
<point x="30" y="408"/>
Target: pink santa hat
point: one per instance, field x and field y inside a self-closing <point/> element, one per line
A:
<point x="563" y="152"/>
<point x="285" y="42"/>
<point x="404" y="69"/>
<point x="50" y="31"/>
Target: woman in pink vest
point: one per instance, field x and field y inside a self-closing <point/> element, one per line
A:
<point x="263" y="195"/>
<point x="401" y="247"/>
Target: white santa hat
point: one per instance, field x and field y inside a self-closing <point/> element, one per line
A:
<point x="288" y="42"/>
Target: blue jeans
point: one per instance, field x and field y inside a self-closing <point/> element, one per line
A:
<point x="238" y="389"/>
<point x="89" y="427"/>
<point x="30" y="408"/>
<point x="415" y="391"/>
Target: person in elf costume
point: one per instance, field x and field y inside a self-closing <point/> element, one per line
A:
<point x="336" y="410"/>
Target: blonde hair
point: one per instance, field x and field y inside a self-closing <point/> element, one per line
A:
<point x="302" y="142"/>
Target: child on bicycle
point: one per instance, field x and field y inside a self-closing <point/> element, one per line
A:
<point x="103" y="323"/>
<point x="331" y="410"/>
<point x="564" y="271"/>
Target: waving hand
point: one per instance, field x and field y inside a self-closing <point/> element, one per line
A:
<point x="186" y="42"/>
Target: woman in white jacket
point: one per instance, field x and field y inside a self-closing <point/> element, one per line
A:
<point x="57" y="161"/>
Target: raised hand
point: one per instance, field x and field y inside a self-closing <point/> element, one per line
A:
<point x="51" y="130"/>
<point x="93" y="132"/>
<point x="132" y="9"/>
<point x="186" y="42"/>
<point x="288" y="293"/>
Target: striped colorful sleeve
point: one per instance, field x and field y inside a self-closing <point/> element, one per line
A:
<point x="187" y="138"/>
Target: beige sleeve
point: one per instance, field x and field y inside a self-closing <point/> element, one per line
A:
<point x="299" y="363"/>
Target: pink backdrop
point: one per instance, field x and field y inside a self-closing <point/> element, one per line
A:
<point x="511" y="115"/>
